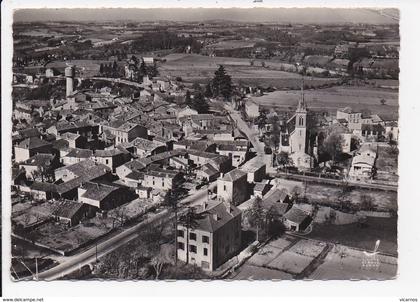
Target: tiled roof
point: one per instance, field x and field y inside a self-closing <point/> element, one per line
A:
<point x="32" y="143"/>
<point x="98" y="191"/>
<point x="80" y="153"/>
<point x="253" y="165"/>
<point x="67" y="208"/>
<point x="234" y="175"/>
<point x="296" y="215"/>
<point x="216" y="215"/>
<point x="43" y="186"/>
<point x="85" y="168"/>
<point x="42" y="160"/>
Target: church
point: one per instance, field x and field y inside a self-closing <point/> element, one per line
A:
<point x="294" y="138"/>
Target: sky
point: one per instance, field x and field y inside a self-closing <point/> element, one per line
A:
<point x="280" y="15"/>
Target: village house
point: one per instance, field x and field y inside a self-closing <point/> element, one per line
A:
<point x="104" y="196"/>
<point x="233" y="187"/>
<point x="71" y="212"/>
<point x="214" y="239"/>
<point x="40" y="166"/>
<point x="363" y="163"/>
<point x="349" y="115"/>
<point x="297" y="220"/>
<point x="144" y="147"/>
<point x="238" y="153"/>
<point x="252" y="109"/>
<point x="43" y="190"/>
<point x="31" y="146"/>
<point x="161" y="179"/>
<point x="125" y="132"/>
<point x="171" y="132"/>
<point x="111" y="158"/>
<point x="391" y="131"/>
<point x="75" y="140"/>
<point x="208" y="172"/>
<point x="82" y="128"/>
<point x="199" y="158"/>
<point x="199" y="145"/>
<point x="255" y="169"/>
<point x="76" y="155"/>
<point x="86" y="168"/>
<point x="186" y="111"/>
<point x="372" y="133"/>
<point x="23" y="134"/>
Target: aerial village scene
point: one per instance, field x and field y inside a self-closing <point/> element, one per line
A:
<point x="205" y="149"/>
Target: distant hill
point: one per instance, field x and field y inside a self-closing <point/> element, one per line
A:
<point x="278" y="15"/>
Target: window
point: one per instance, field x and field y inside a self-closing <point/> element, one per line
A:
<point x="106" y="161"/>
<point x="300" y="121"/>
<point x="205" y="251"/>
<point x="181" y="246"/>
<point x="193" y="249"/>
<point x="181" y="233"/>
<point x="193" y="236"/>
<point x="205" y="239"/>
<point x="224" y="187"/>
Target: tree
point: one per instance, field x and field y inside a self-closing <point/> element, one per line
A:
<point x="275" y="134"/>
<point x="172" y="202"/>
<point x="196" y="87"/>
<point x="283" y="159"/>
<point x="333" y="146"/>
<point x="221" y="84"/>
<point x="115" y="69"/>
<point x="383" y="101"/>
<point x="189" y="221"/>
<point x="208" y="92"/>
<point x="262" y="120"/>
<point x="275" y="227"/>
<point x="142" y="70"/>
<point x="199" y="103"/>
<point x="256" y="216"/>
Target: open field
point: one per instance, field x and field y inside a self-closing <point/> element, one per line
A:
<point x="231" y="44"/>
<point x="331" y="99"/>
<point x="343" y="263"/>
<point x="198" y="68"/>
<point x="384" y="229"/>
<point x="314" y="259"/>
<point x="384" y="200"/>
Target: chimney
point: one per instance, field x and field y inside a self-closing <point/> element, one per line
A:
<point x="216" y="217"/>
<point x="205" y="205"/>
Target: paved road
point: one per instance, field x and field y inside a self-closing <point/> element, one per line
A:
<point x="250" y="133"/>
<point x="73" y="263"/>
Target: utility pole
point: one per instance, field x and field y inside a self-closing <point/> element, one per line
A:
<point x="96" y="252"/>
<point x="36" y="268"/>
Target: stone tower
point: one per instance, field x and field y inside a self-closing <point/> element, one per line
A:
<point x="69" y="73"/>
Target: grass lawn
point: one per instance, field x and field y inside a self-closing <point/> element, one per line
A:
<point x="384" y="229"/>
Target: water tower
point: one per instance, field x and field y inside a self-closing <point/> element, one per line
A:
<point x="69" y="73"/>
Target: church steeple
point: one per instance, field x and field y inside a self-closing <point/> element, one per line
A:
<point x="301" y="104"/>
